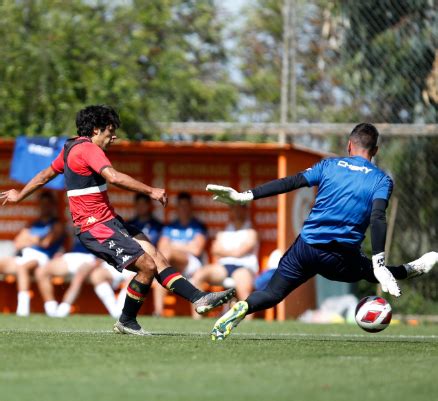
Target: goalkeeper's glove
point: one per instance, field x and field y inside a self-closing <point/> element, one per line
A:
<point x="229" y="195"/>
<point x="384" y="276"/>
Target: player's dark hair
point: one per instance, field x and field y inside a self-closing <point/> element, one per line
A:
<point x="184" y="195"/>
<point x="138" y="196"/>
<point x="99" y="116"/>
<point x="365" y="135"/>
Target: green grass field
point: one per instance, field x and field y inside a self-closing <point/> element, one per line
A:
<point x="79" y="358"/>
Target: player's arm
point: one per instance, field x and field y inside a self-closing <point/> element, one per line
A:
<point x="378" y="239"/>
<point x="125" y="181"/>
<point x="275" y="187"/>
<point x="24" y="239"/>
<point x="280" y="186"/>
<point x="378" y="225"/>
<point x="196" y="246"/>
<point x="246" y="247"/>
<point x="41" y="179"/>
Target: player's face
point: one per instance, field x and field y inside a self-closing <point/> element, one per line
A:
<point x="107" y="137"/>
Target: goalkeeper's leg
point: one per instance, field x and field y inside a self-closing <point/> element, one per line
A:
<point x="277" y="289"/>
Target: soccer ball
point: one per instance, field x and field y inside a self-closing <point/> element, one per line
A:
<point x="373" y="314"/>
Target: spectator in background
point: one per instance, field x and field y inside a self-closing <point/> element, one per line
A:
<point x="77" y="263"/>
<point x="182" y="243"/>
<point x="35" y="245"/>
<point x="234" y="251"/>
<point x="263" y="278"/>
<point x="105" y="279"/>
<point x="144" y="220"/>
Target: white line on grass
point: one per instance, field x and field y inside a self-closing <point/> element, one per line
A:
<point x="261" y="336"/>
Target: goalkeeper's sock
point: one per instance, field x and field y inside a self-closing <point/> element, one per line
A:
<point x="135" y="295"/>
<point x="171" y="279"/>
<point x="277" y="289"/>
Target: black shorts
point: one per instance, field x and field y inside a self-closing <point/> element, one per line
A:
<point x="112" y="241"/>
<point x="303" y="261"/>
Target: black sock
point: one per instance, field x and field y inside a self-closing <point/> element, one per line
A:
<point x="135" y="295"/>
<point x="171" y="279"/>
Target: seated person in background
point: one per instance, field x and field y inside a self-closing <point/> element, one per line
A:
<point x="35" y="244"/>
<point x="105" y="279"/>
<point x="77" y="263"/>
<point x="263" y="278"/>
<point x="182" y="243"/>
<point x="235" y="255"/>
<point x="144" y="220"/>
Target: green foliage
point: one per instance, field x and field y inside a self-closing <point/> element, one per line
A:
<point x="154" y="61"/>
<point x="355" y="60"/>
<point x="389" y="51"/>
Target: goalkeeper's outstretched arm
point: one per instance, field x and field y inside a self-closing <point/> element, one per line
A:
<point x="280" y="186"/>
<point x="378" y="238"/>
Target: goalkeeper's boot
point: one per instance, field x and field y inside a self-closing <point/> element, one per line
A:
<point x="223" y="326"/>
<point x="422" y="265"/>
<point x="130" y="327"/>
<point x="212" y="300"/>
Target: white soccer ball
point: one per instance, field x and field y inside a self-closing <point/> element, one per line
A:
<point x="373" y="314"/>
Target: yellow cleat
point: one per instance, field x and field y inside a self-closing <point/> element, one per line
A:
<point x="223" y="326"/>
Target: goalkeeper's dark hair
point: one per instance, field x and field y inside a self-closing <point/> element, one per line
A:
<point x="365" y="135"/>
<point x="98" y="116"/>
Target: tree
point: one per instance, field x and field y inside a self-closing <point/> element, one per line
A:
<point x="154" y="61"/>
<point x="388" y="55"/>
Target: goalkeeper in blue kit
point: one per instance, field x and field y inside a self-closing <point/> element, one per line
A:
<point x="352" y="195"/>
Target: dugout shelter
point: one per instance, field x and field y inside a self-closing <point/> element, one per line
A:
<point x="187" y="167"/>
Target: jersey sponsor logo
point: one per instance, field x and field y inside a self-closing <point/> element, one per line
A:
<point x="352" y="167"/>
<point x="91" y="220"/>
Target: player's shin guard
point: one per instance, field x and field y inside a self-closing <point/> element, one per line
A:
<point x="171" y="279"/>
<point x="277" y="289"/>
<point x="135" y="295"/>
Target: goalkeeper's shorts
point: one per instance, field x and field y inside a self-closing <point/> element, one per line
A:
<point x="332" y="261"/>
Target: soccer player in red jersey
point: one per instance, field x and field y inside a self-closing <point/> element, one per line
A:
<point x="87" y="170"/>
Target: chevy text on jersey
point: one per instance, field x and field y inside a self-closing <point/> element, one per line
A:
<point x="347" y="188"/>
<point x="81" y="162"/>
